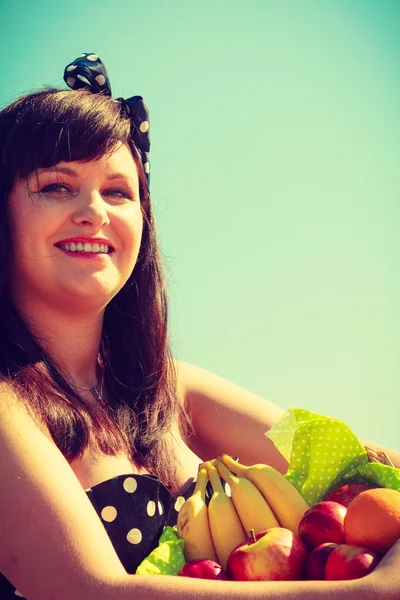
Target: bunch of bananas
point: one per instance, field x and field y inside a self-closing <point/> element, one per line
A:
<point x="260" y="498"/>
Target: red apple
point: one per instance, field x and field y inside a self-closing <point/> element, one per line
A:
<point x="322" y="523"/>
<point x="203" y="568"/>
<point x="344" y="494"/>
<point x="350" y="562"/>
<point x="275" y="554"/>
<point x="317" y="559"/>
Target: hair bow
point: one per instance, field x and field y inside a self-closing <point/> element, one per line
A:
<point x="88" y="71"/>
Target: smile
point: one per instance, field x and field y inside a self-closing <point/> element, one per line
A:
<point x="86" y="247"/>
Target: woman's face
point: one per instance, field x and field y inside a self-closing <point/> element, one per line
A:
<point x="62" y="220"/>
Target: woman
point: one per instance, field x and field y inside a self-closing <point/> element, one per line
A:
<point x="96" y="419"/>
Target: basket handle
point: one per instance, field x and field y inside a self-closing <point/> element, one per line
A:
<point x="379" y="457"/>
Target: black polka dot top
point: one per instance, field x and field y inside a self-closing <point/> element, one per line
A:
<point x="134" y="510"/>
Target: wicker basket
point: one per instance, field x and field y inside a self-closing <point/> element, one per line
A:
<point x="379" y="457"/>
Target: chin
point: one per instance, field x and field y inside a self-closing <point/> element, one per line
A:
<point x="92" y="295"/>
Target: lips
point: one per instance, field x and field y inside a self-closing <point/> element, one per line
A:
<point x="86" y="240"/>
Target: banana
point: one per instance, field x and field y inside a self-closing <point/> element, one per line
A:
<point x="192" y="523"/>
<point x="253" y="510"/>
<point x="287" y="504"/>
<point x="226" y="529"/>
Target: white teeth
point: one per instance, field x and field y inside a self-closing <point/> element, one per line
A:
<point x="86" y="247"/>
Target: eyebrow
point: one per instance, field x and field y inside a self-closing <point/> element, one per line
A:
<point x="65" y="170"/>
<point x="72" y="173"/>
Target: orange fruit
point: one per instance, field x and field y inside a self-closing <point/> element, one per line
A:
<point x="373" y="519"/>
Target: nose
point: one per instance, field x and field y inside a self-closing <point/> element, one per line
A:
<point x="91" y="210"/>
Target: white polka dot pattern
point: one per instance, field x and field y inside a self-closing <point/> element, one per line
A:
<point x="151" y="508"/>
<point x="134" y="536"/>
<point x="83" y="78"/>
<point x="90" y="73"/>
<point x="323" y="452"/>
<point x="167" y="558"/>
<point x="134" y="509"/>
<point x="109" y="514"/>
<point x="130" y="485"/>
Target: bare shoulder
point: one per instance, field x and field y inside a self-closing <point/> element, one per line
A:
<point x="13" y="411"/>
<point x="14" y="416"/>
<point x="8" y="399"/>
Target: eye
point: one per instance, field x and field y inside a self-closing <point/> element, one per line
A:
<point x="56" y="189"/>
<point x="119" y="193"/>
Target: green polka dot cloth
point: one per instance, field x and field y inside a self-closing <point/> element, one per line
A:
<point x="323" y="453"/>
<point x="167" y="558"/>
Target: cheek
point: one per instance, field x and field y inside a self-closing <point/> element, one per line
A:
<point x="132" y="227"/>
<point x="26" y="221"/>
<point x="17" y="223"/>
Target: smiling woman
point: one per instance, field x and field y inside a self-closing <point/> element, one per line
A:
<point x="82" y="183"/>
<point x="82" y="299"/>
<point x="101" y="431"/>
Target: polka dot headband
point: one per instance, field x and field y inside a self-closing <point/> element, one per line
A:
<point x="88" y="71"/>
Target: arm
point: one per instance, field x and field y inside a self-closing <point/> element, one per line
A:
<point x="227" y="418"/>
<point x="54" y="545"/>
<point x="383" y="583"/>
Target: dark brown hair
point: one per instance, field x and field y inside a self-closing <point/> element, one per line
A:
<point x="39" y="130"/>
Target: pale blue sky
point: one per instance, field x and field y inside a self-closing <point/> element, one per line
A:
<point x="275" y="179"/>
